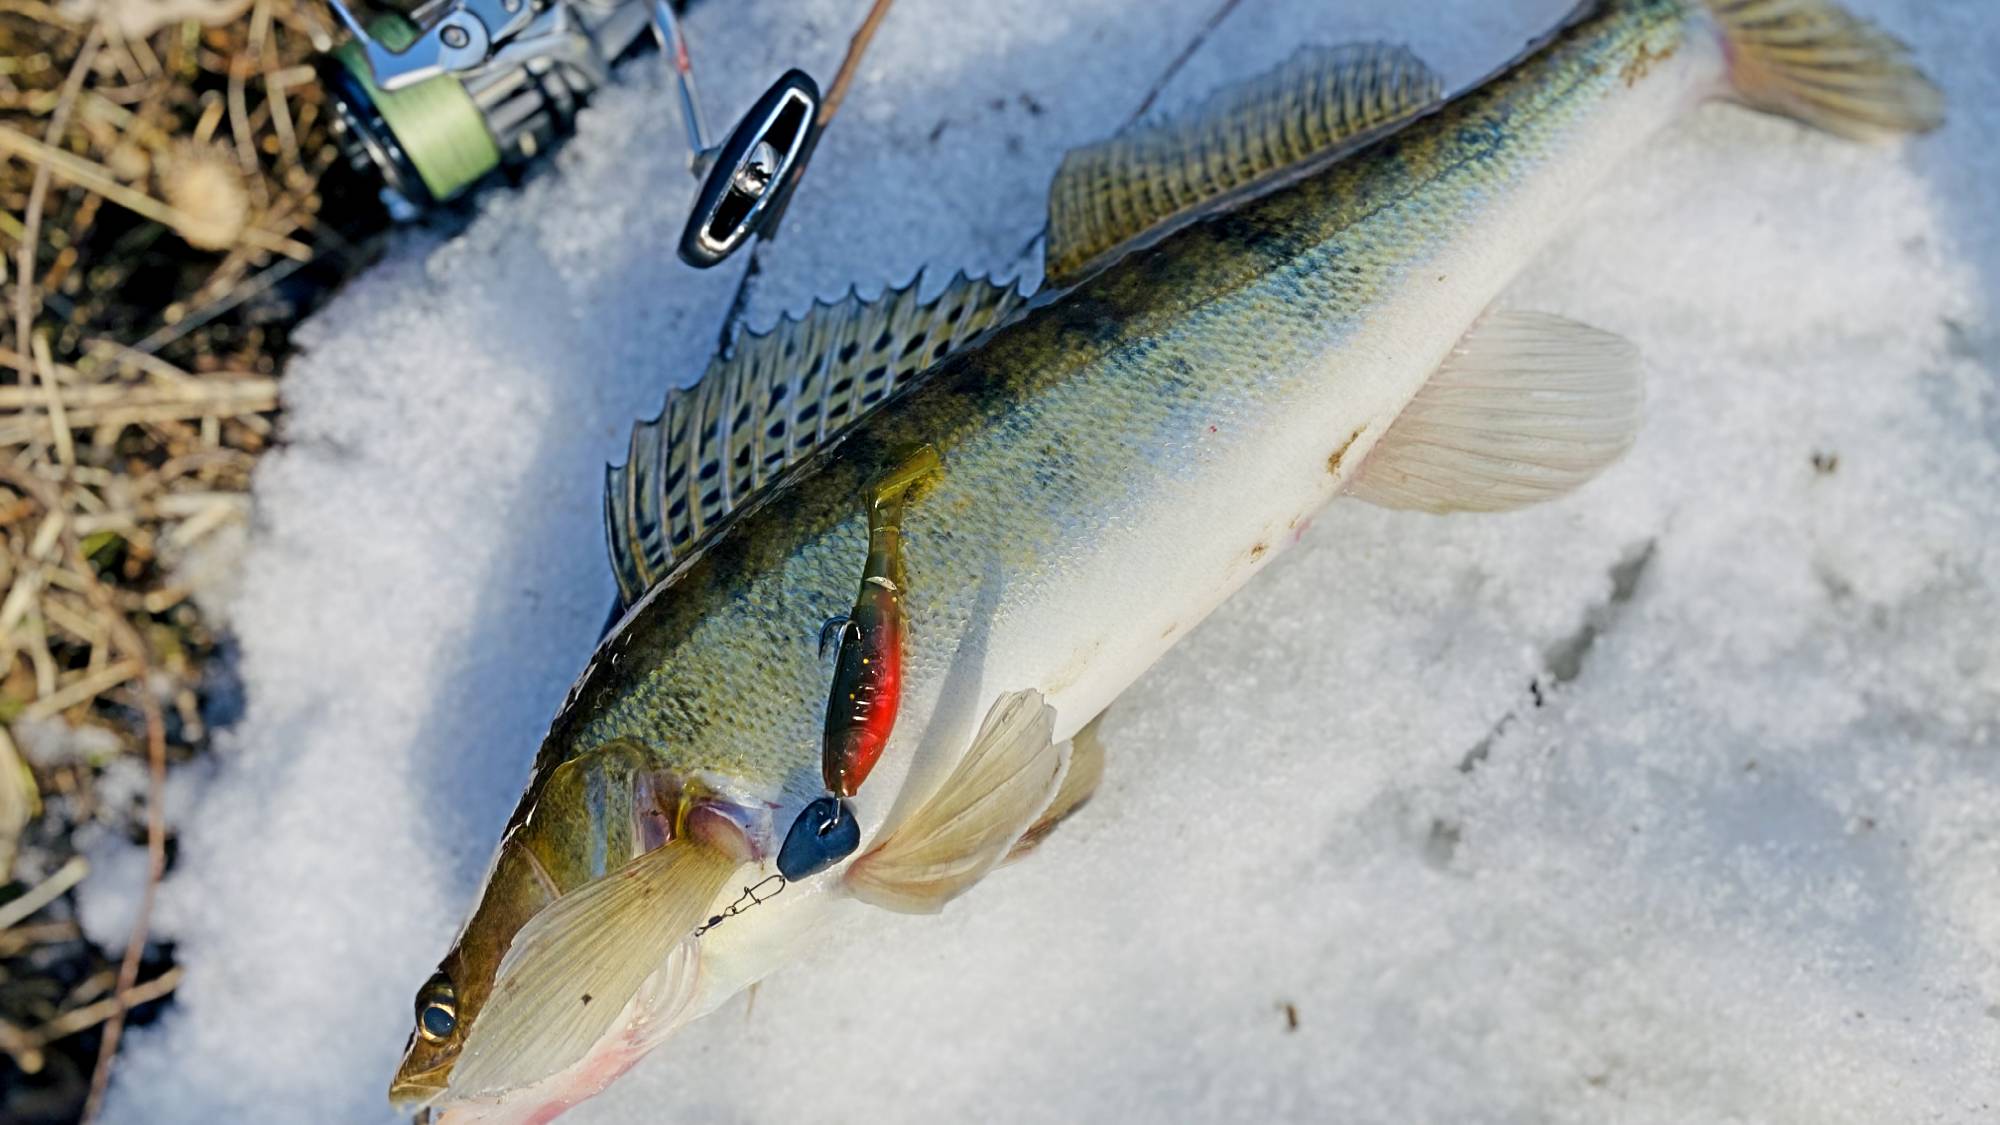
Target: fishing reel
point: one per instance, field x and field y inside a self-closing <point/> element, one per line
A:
<point x="433" y="102"/>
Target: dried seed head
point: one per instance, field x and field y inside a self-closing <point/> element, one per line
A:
<point x="203" y="183"/>
<point x="137" y="19"/>
<point x="129" y="162"/>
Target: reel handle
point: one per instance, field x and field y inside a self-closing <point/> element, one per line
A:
<point x="463" y="38"/>
<point x="750" y="178"/>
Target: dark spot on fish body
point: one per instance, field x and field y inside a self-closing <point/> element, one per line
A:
<point x="1482" y="138"/>
<point x="1174" y="378"/>
<point x="1090" y="319"/>
<point x="1267" y="241"/>
<point x="1052" y="463"/>
<point x="1258" y="551"/>
<point x="1160" y="270"/>
<point x="729" y="554"/>
<point x="1643" y="62"/>
<point x="1333" y="462"/>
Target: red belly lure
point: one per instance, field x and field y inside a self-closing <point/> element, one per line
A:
<point x="867" y="682"/>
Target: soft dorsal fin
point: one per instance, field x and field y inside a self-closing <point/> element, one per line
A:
<point x="1318" y="103"/>
<point x="768" y="403"/>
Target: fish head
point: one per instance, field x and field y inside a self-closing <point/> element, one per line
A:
<point x="584" y="820"/>
<point x="661" y="1007"/>
<point x="448" y="1005"/>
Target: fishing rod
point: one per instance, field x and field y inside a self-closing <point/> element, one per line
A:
<point x="434" y="102"/>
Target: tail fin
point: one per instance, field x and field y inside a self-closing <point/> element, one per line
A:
<point x="1812" y="60"/>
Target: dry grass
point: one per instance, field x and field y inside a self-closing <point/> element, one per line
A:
<point x="161" y="228"/>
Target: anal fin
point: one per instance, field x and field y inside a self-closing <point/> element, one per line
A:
<point x="1009" y="776"/>
<point x="1109" y="195"/>
<point x="1528" y="407"/>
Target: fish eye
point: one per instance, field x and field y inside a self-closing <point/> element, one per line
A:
<point x="437" y="1009"/>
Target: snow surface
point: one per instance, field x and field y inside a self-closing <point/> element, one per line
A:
<point x="1676" y="801"/>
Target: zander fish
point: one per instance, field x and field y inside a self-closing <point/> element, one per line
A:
<point x="1276" y="300"/>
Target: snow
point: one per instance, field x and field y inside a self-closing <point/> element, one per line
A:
<point x="1674" y="801"/>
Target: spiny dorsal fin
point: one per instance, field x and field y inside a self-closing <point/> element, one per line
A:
<point x="769" y="402"/>
<point x="1316" y="104"/>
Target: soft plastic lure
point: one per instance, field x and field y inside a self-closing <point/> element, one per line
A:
<point x="867" y="681"/>
<point x="868" y="674"/>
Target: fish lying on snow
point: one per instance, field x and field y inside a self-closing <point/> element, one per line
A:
<point x="1275" y="301"/>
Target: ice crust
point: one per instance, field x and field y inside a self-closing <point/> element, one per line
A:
<point x="1675" y="801"/>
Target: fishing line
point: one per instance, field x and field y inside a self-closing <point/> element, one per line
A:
<point x="1174" y="68"/>
<point x="1215" y="18"/>
<point x="753" y="895"/>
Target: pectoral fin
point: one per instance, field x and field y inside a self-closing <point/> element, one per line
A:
<point x="1528" y="407"/>
<point x="1002" y="785"/>
<point x="575" y="965"/>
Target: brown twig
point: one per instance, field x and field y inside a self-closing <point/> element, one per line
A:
<point x="856" y="47"/>
<point x="1214" y="21"/>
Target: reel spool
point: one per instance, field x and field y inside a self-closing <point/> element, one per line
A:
<point x="433" y="107"/>
<point x="431" y="140"/>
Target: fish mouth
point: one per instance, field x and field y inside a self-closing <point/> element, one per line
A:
<point x="413" y="1096"/>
